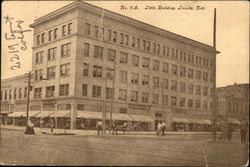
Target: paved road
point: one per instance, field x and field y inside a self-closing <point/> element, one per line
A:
<point x="42" y="149"/>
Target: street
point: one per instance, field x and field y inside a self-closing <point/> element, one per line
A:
<point x="113" y="150"/>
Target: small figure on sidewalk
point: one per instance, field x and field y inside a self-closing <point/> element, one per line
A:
<point x="99" y="127"/>
<point x="52" y="126"/>
<point x="159" y="128"/>
<point x="114" y="127"/>
<point x="41" y="123"/>
<point x="30" y="128"/>
<point x="229" y="133"/>
<point x="164" y="125"/>
<point x="243" y="131"/>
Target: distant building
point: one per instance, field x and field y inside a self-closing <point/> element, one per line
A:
<point x="87" y="60"/>
<point x="233" y="103"/>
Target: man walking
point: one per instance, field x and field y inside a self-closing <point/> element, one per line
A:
<point x="164" y="125"/>
<point x="243" y="133"/>
<point x="159" y="128"/>
<point x="99" y="127"/>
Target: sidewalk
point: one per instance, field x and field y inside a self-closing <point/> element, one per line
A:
<point x="79" y="132"/>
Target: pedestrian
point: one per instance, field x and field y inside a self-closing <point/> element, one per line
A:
<point x="114" y="127"/>
<point x="52" y="125"/>
<point x="159" y="127"/>
<point x="41" y="123"/>
<point x="99" y="127"/>
<point x="29" y="129"/>
<point x="164" y="125"/>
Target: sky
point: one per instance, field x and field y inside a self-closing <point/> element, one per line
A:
<point x="232" y="30"/>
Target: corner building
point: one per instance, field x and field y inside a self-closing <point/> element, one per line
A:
<point x="88" y="60"/>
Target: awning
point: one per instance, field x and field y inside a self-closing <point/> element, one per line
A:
<point x="32" y="113"/>
<point x="89" y="115"/>
<point x="196" y="121"/>
<point x="61" y="113"/>
<point x="4" y="112"/>
<point x="44" y="114"/>
<point x="180" y="120"/>
<point x="120" y="117"/>
<point x="234" y="121"/>
<point x="141" y="118"/>
<point x="17" y="114"/>
<point x="207" y="122"/>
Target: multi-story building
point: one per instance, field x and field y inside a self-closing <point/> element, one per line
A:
<point x="87" y="60"/>
<point x="233" y="103"/>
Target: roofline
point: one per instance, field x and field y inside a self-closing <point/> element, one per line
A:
<point x="130" y="20"/>
<point x="237" y="84"/>
<point x="13" y="78"/>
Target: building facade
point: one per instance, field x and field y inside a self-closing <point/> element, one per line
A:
<point x="87" y="59"/>
<point x="233" y="103"/>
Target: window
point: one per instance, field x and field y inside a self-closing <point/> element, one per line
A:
<point x="20" y="93"/>
<point x="43" y="38"/>
<point x="86" y="49"/>
<point x="156" y="65"/>
<point x="123" y="58"/>
<point x="111" y="55"/>
<point x="87" y="29"/>
<point x="109" y="35"/>
<point x="198" y="89"/>
<point x="85" y="71"/>
<point x="138" y="43"/>
<point x="122" y="38"/>
<point x="109" y="93"/>
<point x="123" y="77"/>
<point x="122" y="94"/>
<point x="10" y="94"/>
<point x="51" y="73"/>
<point x="176" y="53"/>
<point x="134" y="78"/>
<point x="39" y="75"/>
<point x="184" y="56"/>
<point x="69" y="28"/>
<point x="164" y="50"/>
<point x="110" y="73"/>
<point x="38" y="39"/>
<point x="39" y="57"/>
<point x="38" y="93"/>
<point x="145" y="80"/>
<point x="102" y="34"/>
<point x="134" y="96"/>
<point x="165" y="100"/>
<point x="64" y="90"/>
<point x="173" y="101"/>
<point x="173" y="55"/>
<point x="167" y="51"/>
<point x="198" y="75"/>
<point x="55" y="33"/>
<point x="97" y="71"/>
<point x="63" y="30"/>
<point x="158" y="49"/>
<point x="182" y="102"/>
<point x="5" y="95"/>
<point x="174" y="85"/>
<point x="205" y="76"/>
<point x="190" y="88"/>
<point x="145" y="97"/>
<point x="204" y="105"/>
<point x="15" y="94"/>
<point x="182" y="87"/>
<point x="64" y="106"/>
<point x="84" y="90"/>
<point x="133" y="42"/>
<point x="190" y="73"/>
<point x="148" y="46"/>
<point x="66" y="48"/>
<point x="98" y="52"/>
<point x="190" y="103"/>
<point x="165" y="84"/>
<point x="50" y="91"/>
<point x="189" y="57"/>
<point x="65" y="70"/>
<point x="52" y="54"/>
<point x="145" y="63"/>
<point x="135" y="60"/>
<point x="155" y="98"/>
<point x="114" y="36"/>
<point x="96" y="31"/>
<point x="25" y="92"/>
<point x="174" y="69"/>
<point x="126" y="39"/>
<point x="156" y="82"/>
<point x="205" y="90"/>
<point x="181" y="53"/>
<point x="182" y="71"/>
<point x="123" y="110"/>
<point x="80" y="107"/>
<point x="165" y="68"/>
<point x="197" y="103"/>
<point x="50" y="35"/>
<point x="211" y="78"/>
<point x="154" y="47"/>
<point x="144" y="45"/>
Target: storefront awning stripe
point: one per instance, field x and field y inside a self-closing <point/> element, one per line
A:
<point x="62" y="113"/>
<point x="4" y="112"/>
<point x="17" y="114"/>
<point x="89" y="115"/>
<point x="141" y="118"/>
<point x="180" y="120"/>
<point x="44" y="114"/>
<point x="32" y="113"/>
<point x="234" y="121"/>
<point x="120" y="117"/>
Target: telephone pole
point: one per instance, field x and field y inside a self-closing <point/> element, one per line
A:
<point x="28" y="96"/>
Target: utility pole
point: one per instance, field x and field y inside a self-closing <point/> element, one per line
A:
<point x="28" y="96"/>
<point x="214" y="83"/>
<point x="113" y="96"/>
